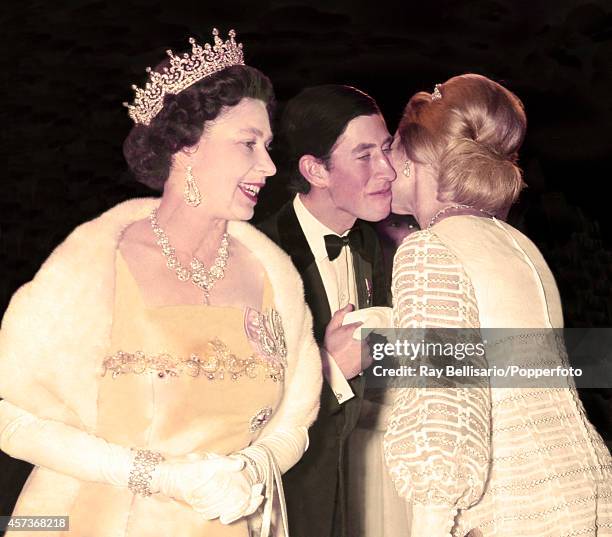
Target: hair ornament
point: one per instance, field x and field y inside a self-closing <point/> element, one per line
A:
<point x="183" y="72"/>
<point x="436" y="94"/>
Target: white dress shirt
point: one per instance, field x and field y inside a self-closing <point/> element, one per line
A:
<point x="339" y="282"/>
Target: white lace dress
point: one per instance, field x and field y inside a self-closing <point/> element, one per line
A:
<point x="518" y="462"/>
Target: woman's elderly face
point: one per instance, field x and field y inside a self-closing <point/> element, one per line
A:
<point x="230" y="164"/>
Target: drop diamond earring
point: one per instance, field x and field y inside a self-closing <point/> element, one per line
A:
<point x="192" y="195"/>
<point x="406" y="170"/>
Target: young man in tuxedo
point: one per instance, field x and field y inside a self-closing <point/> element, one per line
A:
<point x="338" y="146"/>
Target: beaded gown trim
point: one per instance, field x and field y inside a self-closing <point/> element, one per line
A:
<point x="265" y="330"/>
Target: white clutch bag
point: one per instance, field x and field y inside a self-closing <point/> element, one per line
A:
<point x="372" y="318"/>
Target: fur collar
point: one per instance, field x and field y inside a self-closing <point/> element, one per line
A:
<point x="56" y="330"/>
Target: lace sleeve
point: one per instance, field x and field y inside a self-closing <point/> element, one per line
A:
<point x="437" y="439"/>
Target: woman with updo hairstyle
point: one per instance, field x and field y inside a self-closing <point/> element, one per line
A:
<point x="160" y="370"/>
<point x="469" y="453"/>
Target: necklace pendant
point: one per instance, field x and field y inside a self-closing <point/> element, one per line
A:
<point x="200" y="279"/>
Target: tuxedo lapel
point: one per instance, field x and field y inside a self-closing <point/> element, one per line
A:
<point x="293" y="241"/>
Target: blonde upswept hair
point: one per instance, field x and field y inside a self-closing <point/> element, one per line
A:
<point x="471" y="137"/>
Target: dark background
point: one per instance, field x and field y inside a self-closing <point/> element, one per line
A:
<point x="66" y="70"/>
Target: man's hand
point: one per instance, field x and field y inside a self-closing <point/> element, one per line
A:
<point x="345" y="350"/>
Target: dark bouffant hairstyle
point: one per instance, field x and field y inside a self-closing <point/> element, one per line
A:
<point x="471" y="137"/>
<point x="148" y="149"/>
<point x="314" y="120"/>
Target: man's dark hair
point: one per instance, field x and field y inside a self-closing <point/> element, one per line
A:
<point x="314" y="120"/>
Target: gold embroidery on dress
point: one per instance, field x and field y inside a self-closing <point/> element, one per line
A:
<point x="218" y="363"/>
<point x="265" y="329"/>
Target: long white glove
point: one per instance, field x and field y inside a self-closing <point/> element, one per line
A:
<point x="62" y="448"/>
<point x="286" y="445"/>
<point x="215" y="486"/>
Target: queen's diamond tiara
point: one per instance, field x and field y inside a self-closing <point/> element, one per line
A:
<point x="182" y="73"/>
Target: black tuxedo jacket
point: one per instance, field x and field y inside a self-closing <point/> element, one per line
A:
<point x="315" y="486"/>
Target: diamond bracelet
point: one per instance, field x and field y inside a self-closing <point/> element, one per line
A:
<point x="142" y="470"/>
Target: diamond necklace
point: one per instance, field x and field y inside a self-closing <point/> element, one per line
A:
<point x="199" y="275"/>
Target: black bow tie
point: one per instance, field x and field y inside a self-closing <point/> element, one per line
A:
<point x="334" y="243"/>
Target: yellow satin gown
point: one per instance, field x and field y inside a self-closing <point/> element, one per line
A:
<point x="179" y="379"/>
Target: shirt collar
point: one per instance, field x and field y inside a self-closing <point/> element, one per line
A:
<point x="313" y="229"/>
